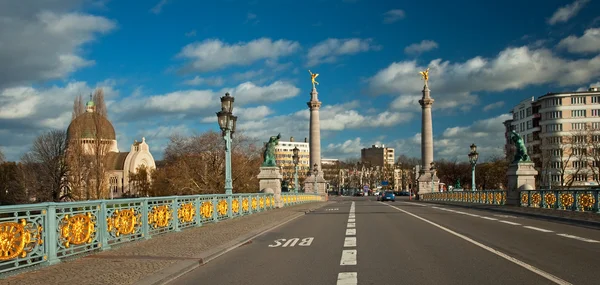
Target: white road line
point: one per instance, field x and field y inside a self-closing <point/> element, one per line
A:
<point x="351" y="225"/>
<point x="350" y="220"/>
<point x="510" y="223"/>
<point x="350" y="242"/>
<point x="529" y="267"/>
<point x="350" y="232"/>
<point x="488" y="218"/>
<point x="578" y="238"/>
<point x="538" y="229"/>
<point x="347" y="278"/>
<point x="351" y="216"/>
<point x="473" y="215"/>
<point x="348" y="257"/>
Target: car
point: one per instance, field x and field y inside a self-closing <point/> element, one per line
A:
<point x="388" y="196"/>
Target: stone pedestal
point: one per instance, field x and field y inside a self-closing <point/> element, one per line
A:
<point x="424" y="181"/>
<point x="520" y="176"/>
<point x="309" y="184"/>
<point x="269" y="180"/>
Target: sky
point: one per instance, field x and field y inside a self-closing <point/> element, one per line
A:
<point x="163" y="64"/>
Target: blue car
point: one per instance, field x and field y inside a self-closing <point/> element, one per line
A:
<point x="388" y="196"/>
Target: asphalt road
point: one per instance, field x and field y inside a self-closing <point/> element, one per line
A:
<point x="407" y="242"/>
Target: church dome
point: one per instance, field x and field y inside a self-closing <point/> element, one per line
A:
<point x="91" y="125"/>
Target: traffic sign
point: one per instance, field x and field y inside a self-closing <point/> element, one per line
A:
<point x="384" y="183"/>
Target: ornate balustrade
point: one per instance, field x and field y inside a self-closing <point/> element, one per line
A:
<point x="573" y="200"/>
<point x="46" y="233"/>
<point x="492" y="197"/>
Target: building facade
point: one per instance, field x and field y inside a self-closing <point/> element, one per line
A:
<point x="378" y="155"/>
<point x="562" y="135"/>
<point x="283" y="159"/>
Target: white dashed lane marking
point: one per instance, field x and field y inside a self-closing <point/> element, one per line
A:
<point x="348" y="257"/>
<point x="350" y="242"/>
<point x="347" y="278"/>
<point x="350" y="232"/>
<point x="515" y="224"/>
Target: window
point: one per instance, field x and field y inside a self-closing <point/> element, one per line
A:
<point x="578" y="139"/>
<point x="515" y="117"/>
<point x="556" y="178"/>
<point x="529" y="112"/>
<point x="555" y="152"/>
<point x="595" y="112"/>
<point x="580" y="177"/>
<point x="579" y="164"/>
<point x="577" y="100"/>
<point x="595" y="99"/>
<point x="553" y="140"/>
<point x="529" y="124"/>
<point x="554" y="102"/>
<point x="554" y="115"/>
<point x="595" y="126"/>
<point x="557" y="164"/>
<point x="553" y="128"/>
<point x="577" y="113"/>
<point x="578" y="126"/>
<point x="579" y="151"/>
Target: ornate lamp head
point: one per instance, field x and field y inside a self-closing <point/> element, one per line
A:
<point x="227" y="103"/>
<point x="473" y="155"/>
<point x="296" y="157"/>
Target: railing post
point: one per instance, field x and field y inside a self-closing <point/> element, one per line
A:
<point x="198" y="207"/>
<point x="103" y="226"/>
<point x="230" y="206"/>
<point x="215" y="212"/>
<point x="52" y="242"/>
<point x="145" y="223"/>
<point x="175" y="208"/>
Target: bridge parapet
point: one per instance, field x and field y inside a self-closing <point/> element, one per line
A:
<point x="570" y="200"/>
<point x="46" y="233"/>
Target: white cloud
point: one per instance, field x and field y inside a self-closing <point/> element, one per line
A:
<point x="567" y="12"/>
<point x="210" y="81"/>
<point x="418" y="48"/>
<point x="588" y="43"/>
<point x="43" y="40"/>
<point x="247" y="75"/>
<point x="213" y="54"/>
<point x="492" y="106"/>
<point x="330" y="49"/>
<point x="454" y="142"/>
<point x="452" y="83"/>
<point x="158" y="7"/>
<point x="392" y="16"/>
<point x="344" y="149"/>
<point x="245" y="114"/>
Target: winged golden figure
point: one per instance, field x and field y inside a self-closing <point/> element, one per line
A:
<point x="425" y="74"/>
<point x="313" y="76"/>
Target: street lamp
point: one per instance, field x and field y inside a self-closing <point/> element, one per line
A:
<point x="315" y="172"/>
<point x="227" y="122"/>
<point x="473" y="156"/>
<point x="432" y="170"/>
<point x="296" y="159"/>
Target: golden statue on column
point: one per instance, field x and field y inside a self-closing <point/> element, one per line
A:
<point x="313" y="76"/>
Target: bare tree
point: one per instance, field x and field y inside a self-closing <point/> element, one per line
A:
<point x="2" y="157"/>
<point x="578" y="151"/>
<point x="47" y="158"/>
<point x="12" y="187"/>
<point x="78" y="107"/>
<point x="140" y="181"/>
<point x="99" y="102"/>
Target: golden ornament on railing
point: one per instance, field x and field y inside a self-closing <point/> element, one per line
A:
<point x="77" y="229"/>
<point x="498" y="197"/>
<point x="222" y="208"/>
<point x="536" y="199"/>
<point x="490" y="198"/>
<point x="245" y="204"/>
<point x="272" y="200"/>
<point x="186" y="213"/>
<point x="123" y="222"/>
<point x="254" y="203"/>
<point x="160" y="216"/>
<point x="477" y="197"/>
<point x="261" y="202"/>
<point x="524" y="198"/>
<point x="18" y="239"/>
<point x="550" y="200"/>
<point x="268" y="201"/>
<point x="566" y="200"/>
<point x="586" y="201"/>
<point x="235" y="206"/>
<point x="206" y="209"/>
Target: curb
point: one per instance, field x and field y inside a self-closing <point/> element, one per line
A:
<point x="584" y="223"/>
<point x="180" y="268"/>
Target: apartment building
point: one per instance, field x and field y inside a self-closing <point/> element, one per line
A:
<point x="378" y="155"/>
<point x="283" y="158"/>
<point x="561" y="131"/>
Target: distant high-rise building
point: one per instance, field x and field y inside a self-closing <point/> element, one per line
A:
<point x="377" y="155"/>
<point x="283" y="158"/>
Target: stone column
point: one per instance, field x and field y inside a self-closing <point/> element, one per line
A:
<point x="425" y="178"/>
<point x="315" y="130"/>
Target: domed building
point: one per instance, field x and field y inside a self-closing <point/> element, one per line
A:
<point x="90" y="133"/>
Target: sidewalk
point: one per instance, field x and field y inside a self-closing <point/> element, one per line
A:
<point x="161" y="257"/>
<point x="591" y="219"/>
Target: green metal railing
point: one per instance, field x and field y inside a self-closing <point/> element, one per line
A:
<point x="45" y="233"/>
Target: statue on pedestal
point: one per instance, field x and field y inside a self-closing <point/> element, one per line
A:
<point x="269" y="153"/>
<point x="425" y="75"/>
<point x="313" y="76"/>
<point x="521" y="152"/>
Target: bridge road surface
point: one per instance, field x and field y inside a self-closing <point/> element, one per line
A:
<point x="404" y="242"/>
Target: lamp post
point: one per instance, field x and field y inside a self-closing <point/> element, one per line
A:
<point x="432" y="170"/>
<point x="473" y="156"/>
<point x="227" y="122"/>
<point x="296" y="159"/>
<point x="315" y="172"/>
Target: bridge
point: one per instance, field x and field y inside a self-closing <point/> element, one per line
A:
<point x="444" y="238"/>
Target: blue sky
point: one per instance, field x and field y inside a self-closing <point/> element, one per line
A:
<point x="163" y="65"/>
